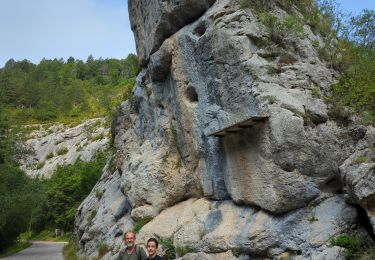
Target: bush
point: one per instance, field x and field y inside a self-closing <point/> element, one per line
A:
<point x="63" y="151"/>
<point x="167" y="244"/>
<point x="40" y="165"/>
<point x="278" y="29"/>
<point x="350" y="243"/>
<point x="49" y="156"/>
<point x="140" y="223"/>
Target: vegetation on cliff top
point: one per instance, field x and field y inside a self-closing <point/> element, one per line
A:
<point x="65" y="91"/>
<point x="348" y="47"/>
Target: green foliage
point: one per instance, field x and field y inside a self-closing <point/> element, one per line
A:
<point x="352" y="244"/>
<point x="313" y="218"/>
<point x="40" y="165"/>
<point x="99" y="193"/>
<point x="19" y="195"/>
<point x="69" y="91"/>
<point x="102" y="250"/>
<point x="63" y="151"/>
<point x="357" y="245"/>
<point x="167" y="244"/>
<point x="91" y="217"/>
<point x="71" y="249"/>
<point x="67" y="188"/>
<point x="49" y="156"/>
<point x="183" y="250"/>
<point x="140" y="223"/>
<point x="19" y="246"/>
<point x="245" y="4"/>
<point x="173" y="135"/>
<point x="236" y="252"/>
<point x="278" y="29"/>
<point x="360" y="159"/>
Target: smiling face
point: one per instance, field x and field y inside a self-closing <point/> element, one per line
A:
<point x="151" y="248"/>
<point x="129" y="239"/>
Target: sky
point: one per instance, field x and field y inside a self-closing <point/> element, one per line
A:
<point x="36" y="29"/>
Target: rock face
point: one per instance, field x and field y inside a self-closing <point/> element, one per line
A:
<point x="358" y="175"/>
<point x="268" y="188"/>
<point x="61" y="145"/>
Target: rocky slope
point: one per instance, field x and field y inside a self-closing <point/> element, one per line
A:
<point x="281" y="184"/>
<point x="60" y="145"/>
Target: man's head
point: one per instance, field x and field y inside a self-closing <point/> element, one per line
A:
<point x="129" y="239"/>
<point x="152" y="246"/>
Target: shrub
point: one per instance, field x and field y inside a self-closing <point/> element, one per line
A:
<point x="183" y="250"/>
<point x="360" y="159"/>
<point x="91" y="217"/>
<point x="167" y="244"/>
<point x="63" y="151"/>
<point x="140" y="223"/>
<point x="350" y="243"/>
<point x="99" y="193"/>
<point x="102" y="250"/>
<point x="40" y="165"/>
<point x="49" y="156"/>
<point x="245" y="4"/>
<point x="278" y="29"/>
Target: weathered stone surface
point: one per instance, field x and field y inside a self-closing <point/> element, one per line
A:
<point x="205" y="71"/>
<point x="103" y="216"/>
<point x="203" y="256"/>
<point x="81" y="141"/>
<point x="330" y="253"/>
<point x="358" y="174"/>
<point x="154" y="21"/>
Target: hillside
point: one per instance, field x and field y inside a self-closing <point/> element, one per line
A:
<point x="65" y="91"/>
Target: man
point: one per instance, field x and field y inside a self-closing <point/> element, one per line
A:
<point x="132" y="251"/>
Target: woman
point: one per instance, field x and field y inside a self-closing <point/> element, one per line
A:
<point x="152" y="247"/>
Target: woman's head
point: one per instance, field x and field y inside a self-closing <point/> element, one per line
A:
<point x="152" y="246"/>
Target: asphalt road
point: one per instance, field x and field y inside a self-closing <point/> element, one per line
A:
<point x="40" y="250"/>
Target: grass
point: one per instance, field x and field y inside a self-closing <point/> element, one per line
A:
<point x="47" y="235"/>
<point x="357" y="246"/>
<point x="99" y="193"/>
<point x="49" y="156"/>
<point x="140" y="223"/>
<point x="360" y="159"/>
<point x="70" y="250"/>
<point x="91" y="217"/>
<point x="40" y="165"/>
<point x="103" y="249"/>
<point x="167" y="244"/>
<point x="245" y="4"/>
<point x="19" y="246"/>
<point x="62" y="151"/>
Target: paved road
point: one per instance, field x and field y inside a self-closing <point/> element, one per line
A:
<point x="40" y="250"/>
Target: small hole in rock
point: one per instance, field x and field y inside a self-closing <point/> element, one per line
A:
<point x="200" y="29"/>
<point x="191" y="94"/>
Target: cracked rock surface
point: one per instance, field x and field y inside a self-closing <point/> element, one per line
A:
<point x="268" y="190"/>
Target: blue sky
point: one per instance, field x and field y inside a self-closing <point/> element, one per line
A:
<point x="33" y="29"/>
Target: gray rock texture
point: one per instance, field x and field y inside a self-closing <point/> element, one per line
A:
<point x="358" y="175"/>
<point x="61" y="145"/>
<point x="269" y="190"/>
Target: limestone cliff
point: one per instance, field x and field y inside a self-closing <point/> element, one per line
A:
<point x="227" y="142"/>
<point x="56" y="145"/>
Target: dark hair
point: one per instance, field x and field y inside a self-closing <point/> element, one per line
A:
<point x="153" y="240"/>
